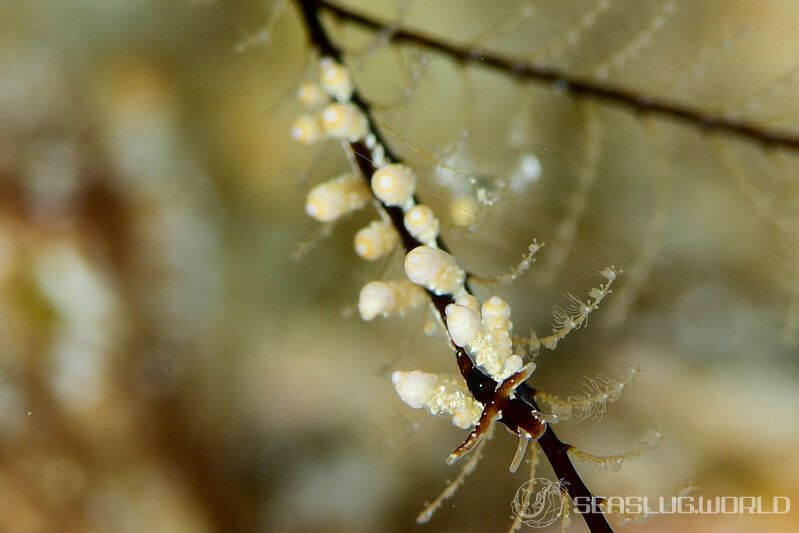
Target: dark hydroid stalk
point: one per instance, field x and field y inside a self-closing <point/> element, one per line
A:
<point x="580" y="87"/>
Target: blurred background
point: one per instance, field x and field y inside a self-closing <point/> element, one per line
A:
<point x="181" y="349"/>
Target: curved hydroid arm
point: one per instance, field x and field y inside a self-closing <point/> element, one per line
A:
<point x="579" y="87"/>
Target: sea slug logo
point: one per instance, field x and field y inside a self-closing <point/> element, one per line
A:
<point x="539" y="502"/>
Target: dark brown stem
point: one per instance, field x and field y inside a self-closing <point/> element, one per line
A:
<point x="580" y="87"/>
<point x="480" y="385"/>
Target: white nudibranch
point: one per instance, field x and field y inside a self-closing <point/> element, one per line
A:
<point x="306" y="129"/>
<point x="440" y="394"/>
<point x="335" y="79"/>
<point x="332" y="199"/>
<point x="435" y="269"/>
<point x="386" y="298"/>
<point x="344" y="121"/>
<point x="311" y="96"/>
<point x="422" y="224"/>
<point x="376" y="240"/>
<point x="394" y="184"/>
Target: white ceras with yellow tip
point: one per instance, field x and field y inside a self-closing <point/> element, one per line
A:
<point x="332" y="199"/>
<point x="376" y="240"/>
<point x="306" y="129"/>
<point x="311" y="96"/>
<point x="335" y="79"/>
<point x="387" y="298"/>
<point x="415" y="387"/>
<point x="436" y="270"/>
<point x="344" y="121"/>
<point x="440" y="394"/>
<point x="422" y="224"/>
<point x="468" y="300"/>
<point x="486" y="335"/>
<point x="463" y="324"/>
<point x="496" y="314"/>
<point x="394" y="185"/>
